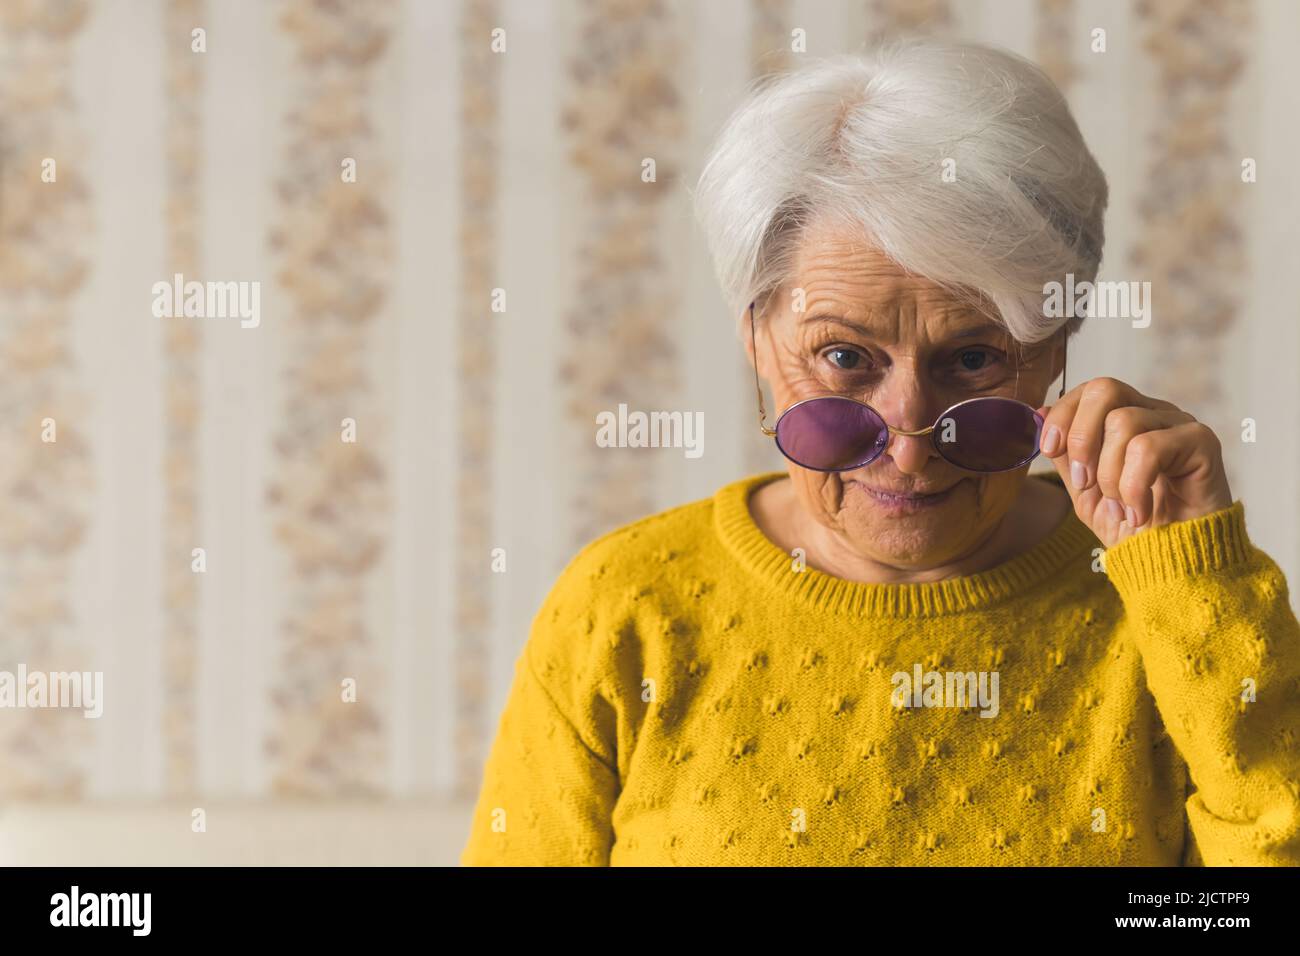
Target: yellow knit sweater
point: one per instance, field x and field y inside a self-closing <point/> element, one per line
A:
<point x="687" y="696"/>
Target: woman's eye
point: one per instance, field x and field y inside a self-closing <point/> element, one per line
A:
<point x="974" y="360"/>
<point x="846" y="359"/>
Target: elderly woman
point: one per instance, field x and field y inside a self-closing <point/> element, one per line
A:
<point x="907" y="650"/>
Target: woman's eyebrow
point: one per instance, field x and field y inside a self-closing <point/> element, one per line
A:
<point x="973" y="332"/>
<point x="979" y="331"/>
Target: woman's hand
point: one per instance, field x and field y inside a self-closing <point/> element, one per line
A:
<point x="1131" y="462"/>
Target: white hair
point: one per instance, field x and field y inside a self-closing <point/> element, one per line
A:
<point x="864" y="141"/>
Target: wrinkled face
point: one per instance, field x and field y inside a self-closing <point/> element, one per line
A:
<point x="911" y="350"/>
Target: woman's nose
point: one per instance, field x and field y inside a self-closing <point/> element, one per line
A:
<point x="904" y="406"/>
<point x="910" y="453"/>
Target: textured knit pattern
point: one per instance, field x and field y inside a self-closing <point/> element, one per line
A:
<point x="687" y="696"/>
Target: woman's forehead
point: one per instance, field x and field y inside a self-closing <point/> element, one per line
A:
<point x="853" y="271"/>
<point x="954" y="326"/>
<point x="840" y="277"/>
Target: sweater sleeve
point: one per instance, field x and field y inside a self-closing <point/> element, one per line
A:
<point x="547" y="796"/>
<point x="551" y="780"/>
<point x="1220" y="646"/>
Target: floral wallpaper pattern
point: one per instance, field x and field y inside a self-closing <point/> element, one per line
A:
<point x="330" y="496"/>
<point x="479" y="116"/>
<point x="45" y="230"/>
<point x="910" y="16"/>
<point x="1054" y="38"/>
<point x="182" y="345"/>
<point x="330" y="254"/>
<point x="623" y="111"/>
<point x="1190" y="248"/>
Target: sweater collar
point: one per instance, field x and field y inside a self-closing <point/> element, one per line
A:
<point x="759" y="556"/>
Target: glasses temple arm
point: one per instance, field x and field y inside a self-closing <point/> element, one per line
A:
<point x="762" y="412"/>
<point x="1065" y="345"/>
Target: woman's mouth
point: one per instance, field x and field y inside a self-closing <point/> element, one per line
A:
<point x="904" y="502"/>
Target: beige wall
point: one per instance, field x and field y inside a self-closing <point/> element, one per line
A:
<point x="475" y="429"/>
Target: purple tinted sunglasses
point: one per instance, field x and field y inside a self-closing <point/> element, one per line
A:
<point x="836" y="433"/>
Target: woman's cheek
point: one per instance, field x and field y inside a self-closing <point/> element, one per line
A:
<point x="819" y="493"/>
<point x="995" y="494"/>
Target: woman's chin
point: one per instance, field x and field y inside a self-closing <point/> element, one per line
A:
<point x="906" y="532"/>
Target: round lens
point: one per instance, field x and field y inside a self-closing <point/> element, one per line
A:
<point x="831" y="434"/>
<point x="988" y="434"/>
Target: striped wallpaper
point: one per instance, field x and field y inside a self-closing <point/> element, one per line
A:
<point x="305" y="554"/>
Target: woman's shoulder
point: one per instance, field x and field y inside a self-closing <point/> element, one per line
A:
<point x="583" y="622"/>
<point x="646" y="554"/>
<point x="659" y="536"/>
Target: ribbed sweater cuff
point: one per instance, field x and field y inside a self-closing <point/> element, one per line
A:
<point x="1201" y="545"/>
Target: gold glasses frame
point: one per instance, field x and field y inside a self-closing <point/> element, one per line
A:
<point x="772" y="432"/>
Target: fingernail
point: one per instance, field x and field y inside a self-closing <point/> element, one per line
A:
<point x="1115" y="508"/>
<point x="1052" y="440"/>
<point x="1131" y="515"/>
<point x="1078" y="475"/>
